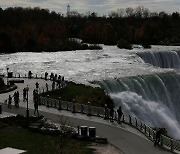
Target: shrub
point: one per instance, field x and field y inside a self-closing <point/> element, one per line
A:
<point x="146" y="46"/>
<point x="123" y="44"/>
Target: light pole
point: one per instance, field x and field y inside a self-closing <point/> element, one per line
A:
<point x="27" y="109"/>
<point x="89" y="109"/>
<point x="59" y="103"/>
<point x="7" y="76"/>
<point x="73" y="110"/>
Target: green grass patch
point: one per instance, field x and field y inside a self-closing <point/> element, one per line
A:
<point x="12" y="135"/>
<point x="81" y="94"/>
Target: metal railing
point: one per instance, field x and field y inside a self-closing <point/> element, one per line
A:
<point x="165" y="142"/>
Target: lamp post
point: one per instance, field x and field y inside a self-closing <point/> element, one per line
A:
<point x="59" y="103"/>
<point x="73" y="109"/>
<point x="27" y="109"/>
<point x="89" y="109"/>
<point x="7" y="76"/>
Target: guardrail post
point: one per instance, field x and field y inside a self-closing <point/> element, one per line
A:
<point x="19" y="75"/>
<point x="98" y="113"/>
<point x="144" y="128"/>
<point x="123" y="118"/>
<point x="51" y="103"/>
<point x="89" y="109"/>
<point x="59" y="104"/>
<point x="78" y="130"/>
<point x="161" y="141"/>
<point x="67" y="106"/>
<point x="154" y="135"/>
<point x="136" y="122"/>
<point x="172" y="146"/>
<point x="130" y="122"/>
<point x="149" y="132"/>
<point x="73" y="109"/>
<point x="141" y="125"/>
<point x="55" y="105"/>
<point x="47" y="100"/>
<point x="82" y="108"/>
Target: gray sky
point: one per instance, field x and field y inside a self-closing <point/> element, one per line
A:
<point x="99" y="6"/>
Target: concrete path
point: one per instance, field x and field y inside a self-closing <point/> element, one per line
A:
<point x="124" y="137"/>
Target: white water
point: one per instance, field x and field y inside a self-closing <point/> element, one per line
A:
<point x="152" y="113"/>
<point x="109" y="63"/>
<point x="153" y="98"/>
<point x="80" y="66"/>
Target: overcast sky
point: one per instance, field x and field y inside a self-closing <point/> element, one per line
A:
<point x="102" y="7"/>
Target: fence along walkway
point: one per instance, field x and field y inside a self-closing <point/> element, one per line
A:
<point x="165" y="142"/>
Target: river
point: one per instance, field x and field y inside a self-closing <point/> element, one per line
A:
<point x="149" y="91"/>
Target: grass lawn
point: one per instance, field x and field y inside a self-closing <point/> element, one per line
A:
<point x="12" y="135"/>
<point x="82" y="94"/>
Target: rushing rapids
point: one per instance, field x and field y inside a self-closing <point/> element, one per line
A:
<point x="150" y="93"/>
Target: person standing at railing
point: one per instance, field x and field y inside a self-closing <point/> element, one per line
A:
<point x="46" y="75"/>
<point x="36" y="102"/>
<point x="112" y="114"/>
<point x="53" y="85"/>
<point x="29" y="74"/>
<point x="46" y="87"/>
<point x="37" y="85"/>
<point x="158" y="136"/>
<point x="120" y="113"/>
<point x="9" y="101"/>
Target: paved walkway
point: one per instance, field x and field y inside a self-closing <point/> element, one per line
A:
<point x="124" y="137"/>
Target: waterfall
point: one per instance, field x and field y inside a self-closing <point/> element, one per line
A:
<point x="163" y="59"/>
<point x="155" y="99"/>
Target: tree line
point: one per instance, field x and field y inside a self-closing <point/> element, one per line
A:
<point x="35" y="29"/>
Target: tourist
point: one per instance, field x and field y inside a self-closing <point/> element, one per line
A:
<point x="158" y="136"/>
<point x="120" y="113"/>
<point x="46" y="75"/>
<point x="9" y="101"/>
<point x="52" y="76"/>
<point x="59" y="77"/>
<point x="17" y="94"/>
<point x="55" y="77"/>
<point x="53" y="85"/>
<point x="46" y="87"/>
<point x="36" y="102"/>
<point x="37" y="85"/>
<point x="111" y="114"/>
<point x="24" y="94"/>
<point x="15" y="99"/>
<point x="29" y="74"/>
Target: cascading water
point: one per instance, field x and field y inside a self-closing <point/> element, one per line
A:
<point x="152" y="98"/>
<point x="163" y="59"/>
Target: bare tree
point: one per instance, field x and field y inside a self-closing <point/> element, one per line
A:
<point x="129" y="11"/>
<point x="141" y="12"/>
<point x="121" y="12"/>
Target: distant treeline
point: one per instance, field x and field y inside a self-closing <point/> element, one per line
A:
<point x="35" y="29"/>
